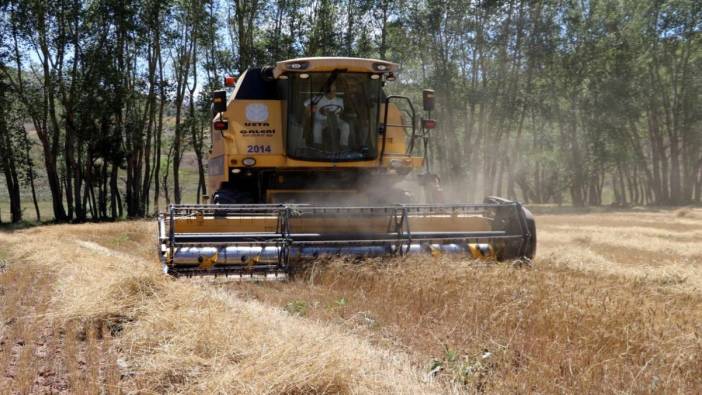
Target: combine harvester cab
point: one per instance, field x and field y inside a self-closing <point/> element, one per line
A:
<point x="305" y="161"/>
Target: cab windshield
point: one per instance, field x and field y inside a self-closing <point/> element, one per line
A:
<point x="333" y="116"/>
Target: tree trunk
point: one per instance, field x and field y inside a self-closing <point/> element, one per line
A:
<point x="9" y="167"/>
<point x="30" y="173"/>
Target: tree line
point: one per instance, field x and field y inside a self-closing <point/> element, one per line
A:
<point x="557" y="101"/>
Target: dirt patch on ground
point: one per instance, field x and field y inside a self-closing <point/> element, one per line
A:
<point x="39" y="354"/>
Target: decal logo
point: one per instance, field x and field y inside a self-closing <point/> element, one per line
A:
<point x="257" y="112"/>
<point x="257" y="132"/>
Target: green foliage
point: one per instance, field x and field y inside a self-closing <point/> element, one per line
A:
<point x="544" y="101"/>
<point x="465" y="370"/>
<point x="297" y="307"/>
<point x="341" y="302"/>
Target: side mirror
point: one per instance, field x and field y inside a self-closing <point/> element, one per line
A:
<point x="428" y="99"/>
<point x="267" y="73"/>
<point x="229" y="81"/>
<point x="219" y="102"/>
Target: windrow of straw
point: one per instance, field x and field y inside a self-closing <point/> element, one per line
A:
<point x="184" y="337"/>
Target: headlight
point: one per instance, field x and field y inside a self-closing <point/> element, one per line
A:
<point x="298" y="65"/>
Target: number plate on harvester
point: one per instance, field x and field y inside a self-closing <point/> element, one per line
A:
<point x="258" y="148"/>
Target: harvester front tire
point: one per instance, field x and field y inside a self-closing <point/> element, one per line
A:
<point x="225" y="196"/>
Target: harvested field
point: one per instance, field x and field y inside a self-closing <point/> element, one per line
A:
<point x="612" y="304"/>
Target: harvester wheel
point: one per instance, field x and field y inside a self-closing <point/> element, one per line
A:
<point x="391" y="196"/>
<point x="227" y="196"/>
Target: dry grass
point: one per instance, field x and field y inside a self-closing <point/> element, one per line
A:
<point x="658" y="247"/>
<point x="685" y="212"/>
<point x="178" y="336"/>
<point x="504" y="329"/>
<point x="613" y="304"/>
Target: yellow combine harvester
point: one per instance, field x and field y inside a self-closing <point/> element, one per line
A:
<point x="306" y="160"/>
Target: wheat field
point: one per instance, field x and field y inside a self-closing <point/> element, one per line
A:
<point x="612" y="304"/>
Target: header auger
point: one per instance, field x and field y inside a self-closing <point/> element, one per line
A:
<point x="306" y="159"/>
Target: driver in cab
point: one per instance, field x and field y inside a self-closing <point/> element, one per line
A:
<point x="323" y="106"/>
